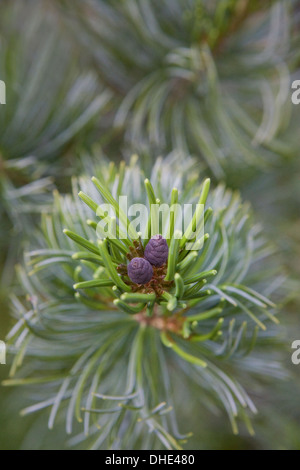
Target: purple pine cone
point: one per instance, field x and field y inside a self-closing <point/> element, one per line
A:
<point x="140" y="271"/>
<point x="157" y="250"/>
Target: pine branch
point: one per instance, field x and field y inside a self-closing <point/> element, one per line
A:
<point x="203" y="78"/>
<point x="114" y="349"/>
<point x="51" y="106"/>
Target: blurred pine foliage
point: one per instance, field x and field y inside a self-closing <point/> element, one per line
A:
<point x="53" y="108"/>
<point x="209" y="78"/>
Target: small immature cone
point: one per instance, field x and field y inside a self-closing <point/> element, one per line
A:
<point x="157" y="250"/>
<point x="140" y="271"/>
